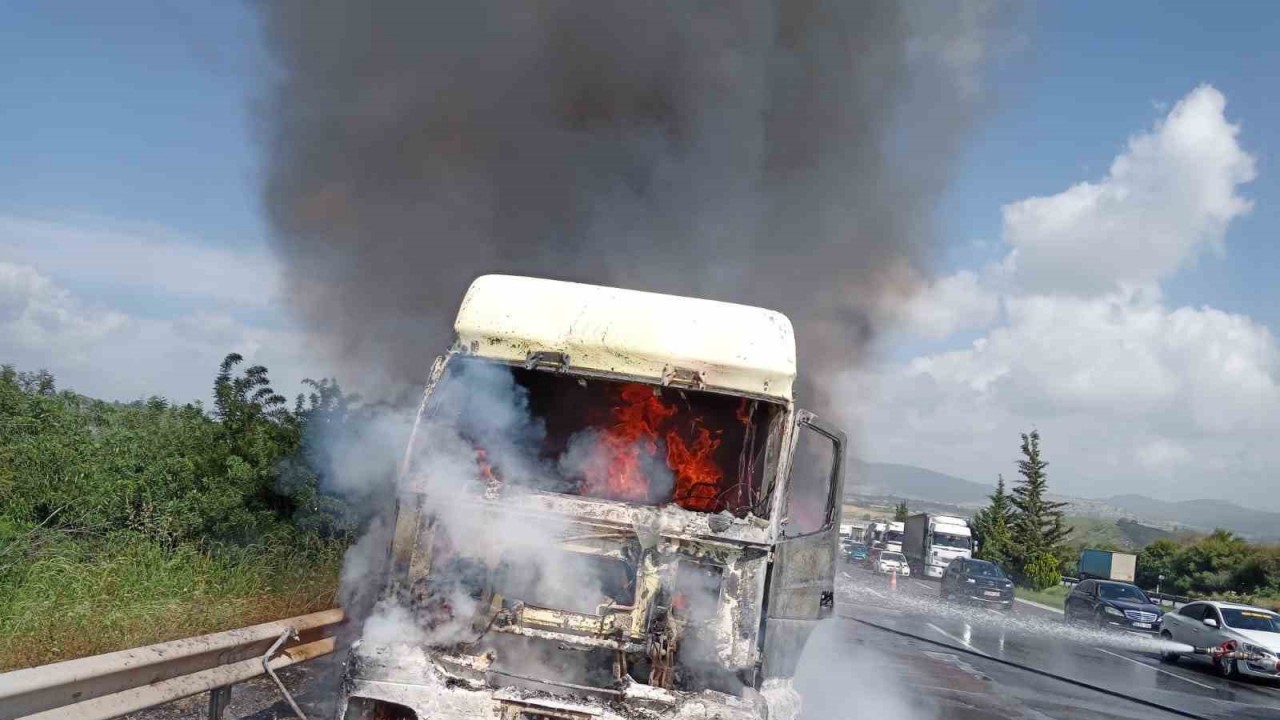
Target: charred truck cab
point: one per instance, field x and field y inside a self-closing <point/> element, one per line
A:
<point x="610" y="508"/>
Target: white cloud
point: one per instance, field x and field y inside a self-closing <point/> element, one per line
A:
<point x="38" y="317"/>
<point x="153" y="261"/>
<point x="1124" y="391"/>
<point x="1170" y="194"/>
<point x="949" y="305"/>
<point x="1130" y="394"/>
<point x="108" y="354"/>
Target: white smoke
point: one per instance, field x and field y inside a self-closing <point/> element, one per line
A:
<point x="843" y="681"/>
<point x="477" y="408"/>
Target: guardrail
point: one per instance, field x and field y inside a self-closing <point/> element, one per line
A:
<point x="1174" y="601"/>
<point x="114" y="684"/>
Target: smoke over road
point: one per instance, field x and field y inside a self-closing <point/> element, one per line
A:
<point x="785" y="154"/>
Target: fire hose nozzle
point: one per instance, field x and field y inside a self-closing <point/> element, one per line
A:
<point x="1229" y="650"/>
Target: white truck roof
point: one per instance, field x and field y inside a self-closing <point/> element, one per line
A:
<point x="640" y="334"/>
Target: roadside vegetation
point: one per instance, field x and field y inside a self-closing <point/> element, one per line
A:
<point x="1054" y="597"/>
<point x="1220" y="565"/>
<point x="1028" y="535"/>
<point x="123" y="524"/>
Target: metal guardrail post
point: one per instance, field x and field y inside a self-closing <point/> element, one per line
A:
<point x="219" y="699"/>
<point x="266" y="667"/>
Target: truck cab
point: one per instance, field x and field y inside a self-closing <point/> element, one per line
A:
<point x="609" y="507"/>
<point x="873" y="535"/>
<point x="932" y="542"/>
<point x="893" y="535"/>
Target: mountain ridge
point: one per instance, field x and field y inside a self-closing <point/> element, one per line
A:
<point x="917" y="483"/>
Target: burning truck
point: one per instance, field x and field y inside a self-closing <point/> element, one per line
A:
<point x="610" y="507"/>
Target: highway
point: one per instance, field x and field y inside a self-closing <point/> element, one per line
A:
<point x="905" y="655"/>
<point x="929" y="681"/>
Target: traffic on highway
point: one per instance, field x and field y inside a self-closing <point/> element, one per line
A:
<point x="1108" y="652"/>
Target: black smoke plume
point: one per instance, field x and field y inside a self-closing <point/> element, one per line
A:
<point x="784" y="154"/>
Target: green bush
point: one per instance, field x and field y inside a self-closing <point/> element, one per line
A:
<point x="1041" y="571"/>
<point x="128" y="523"/>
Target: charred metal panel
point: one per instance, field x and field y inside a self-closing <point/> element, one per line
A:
<point x="801" y="582"/>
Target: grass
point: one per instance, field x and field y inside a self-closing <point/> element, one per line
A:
<point x="1053" y="597"/>
<point x="72" y="600"/>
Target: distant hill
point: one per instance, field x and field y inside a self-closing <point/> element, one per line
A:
<point x="1123" y="534"/>
<point x="1203" y="515"/>
<point x="890" y="480"/>
<point x="911" y="482"/>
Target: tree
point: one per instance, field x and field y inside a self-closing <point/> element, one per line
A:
<point x="1158" y="559"/>
<point x="1038" y="530"/>
<point x="1207" y="565"/>
<point x="993" y="526"/>
<point x="1041" y="571"/>
<point x="901" y="512"/>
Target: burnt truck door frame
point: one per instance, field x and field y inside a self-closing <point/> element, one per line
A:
<point x="801" y="588"/>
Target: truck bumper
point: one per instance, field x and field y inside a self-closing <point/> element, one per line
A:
<point x="369" y="699"/>
<point x="934" y="571"/>
<point x="417" y="685"/>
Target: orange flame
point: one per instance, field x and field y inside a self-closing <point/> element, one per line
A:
<point x="617" y="469"/>
<point x="697" y="475"/>
<point x="492" y="483"/>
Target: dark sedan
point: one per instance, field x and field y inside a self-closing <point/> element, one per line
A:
<point x="977" y="581"/>
<point x="1112" y="604"/>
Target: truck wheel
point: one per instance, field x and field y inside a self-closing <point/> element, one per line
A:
<point x="1166" y="656"/>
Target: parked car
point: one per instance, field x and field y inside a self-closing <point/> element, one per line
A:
<point x="889" y="561"/>
<point x="977" y="581"/>
<point x="1206" y="624"/>
<point x="1111" y="604"/>
<point x="855" y="552"/>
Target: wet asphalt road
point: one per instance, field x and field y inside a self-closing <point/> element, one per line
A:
<point x="1040" y="639"/>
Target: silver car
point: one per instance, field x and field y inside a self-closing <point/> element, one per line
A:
<point x="1210" y="623"/>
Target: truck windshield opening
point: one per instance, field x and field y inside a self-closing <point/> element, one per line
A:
<point x="608" y="439"/>
<point x="948" y="540"/>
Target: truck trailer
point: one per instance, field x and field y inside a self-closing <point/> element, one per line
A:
<point x="932" y="541"/>
<point x="610" y="507"/>
<point x="1107" y="565"/>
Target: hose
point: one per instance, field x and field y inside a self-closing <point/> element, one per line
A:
<point x="1035" y="671"/>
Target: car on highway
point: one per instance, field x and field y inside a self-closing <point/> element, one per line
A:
<point x="977" y="581"/>
<point x="1114" y="605"/>
<point x="1211" y="623"/>
<point x="889" y="561"/>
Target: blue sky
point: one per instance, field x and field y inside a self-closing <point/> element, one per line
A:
<point x="133" y="126"/>
<point x="140" y="114"/>
<point x="1094" y="73"/>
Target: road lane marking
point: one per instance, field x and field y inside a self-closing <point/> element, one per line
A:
<point x="956" y="639"/>
<point x="1159" y="670"/>
<point x="1039" y="605"/>
<point x="920" y="584"/>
